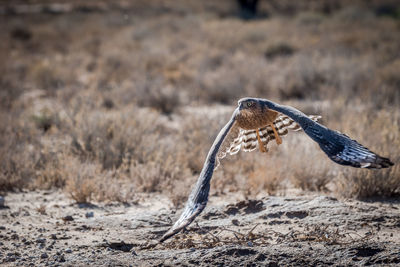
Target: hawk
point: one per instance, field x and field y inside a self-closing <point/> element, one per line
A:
<point x="253" y="124"/>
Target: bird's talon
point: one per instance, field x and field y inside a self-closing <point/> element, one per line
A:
<point x="277" y="137"/>
<point x="260" y="143"/>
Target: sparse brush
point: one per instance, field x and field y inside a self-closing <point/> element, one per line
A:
<point x="382" y="136"/>
<point x="165" y="99"/>
<point x="18" y="154"/>
<point x="277" y="50"/>
<point x="105" y="117"/>
<point x="259" y="235"/>
<point x="81" y="180"/>
<point x="265" y="178"/>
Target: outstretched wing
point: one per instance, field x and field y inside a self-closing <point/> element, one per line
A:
<point x="230" y="139"/>
<point x="246" y="140"/>
<point x="343" y="150"/>
<point x="199" y="196"/>
<point x="339" y="147"/>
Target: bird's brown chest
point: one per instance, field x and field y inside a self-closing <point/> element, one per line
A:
<point x="250" y="120"/>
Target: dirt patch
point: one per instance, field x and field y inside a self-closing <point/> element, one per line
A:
<point x="300" y="214"/>
<point x="245" y="206"/>
<point x="269" y="231"/>
<point x="367" y="251"/>
<point x="122" y="246"/>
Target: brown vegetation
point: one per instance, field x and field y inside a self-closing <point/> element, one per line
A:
<point x="109" y="104"/>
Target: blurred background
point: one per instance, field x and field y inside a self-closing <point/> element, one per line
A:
<point x="109" y="99"/>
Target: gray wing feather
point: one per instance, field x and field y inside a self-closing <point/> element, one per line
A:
<point x="339" y="147"/>
<point x="233" y="138"/>
<point x="343" y="150"/>
<point x="199" y="197"/>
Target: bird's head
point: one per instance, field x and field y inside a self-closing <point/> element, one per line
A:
<point x="250" y="105"/>
<point x="254" y="113"/>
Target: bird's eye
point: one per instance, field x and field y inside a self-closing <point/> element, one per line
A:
<point x="249" y="104"/>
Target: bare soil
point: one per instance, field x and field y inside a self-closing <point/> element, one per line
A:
<point x="47" y="228"/>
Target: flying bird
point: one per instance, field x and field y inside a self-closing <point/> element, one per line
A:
<point x="253" y="124"/>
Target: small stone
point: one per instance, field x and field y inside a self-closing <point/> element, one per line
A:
<point x="11" y="259"/>
<point x="53" y="236"/>
<point x="44" y="256"/>
<point x="133" y="252"/>
<point x="14" y="237"/>
<point x="68" y="250"/>
<point x="250" y="244"/>
<point x="68" y="218"/>
<point x="89" y="214"/>
<point x="40" y="240"/>
<point x="61" y="258"/>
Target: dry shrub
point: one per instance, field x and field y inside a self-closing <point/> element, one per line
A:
<point x="138" y="144"/>
<point x="390" y="78"/>
<point x="9" y="92"/>
<point x="81" y="180"/>
<point x="18" y="153"/>
<point x="312" y="178"/>
<point x="165" y="175"/>
<point x="310" y="168"/>
<point x="223" y="85"/>
<point x="281" y="49"/>
<point x="296" y="163"/>
<point x="86" y="182"/>
<point x="165" y="99"/>
<point x="108" y="137"/>
<point x="382" y="137"/>
<point x="49" y="173"/>
<point x="45" y="75"/>
<point x="310" y="18"/>
<point x="102" y="102"/>
<point x="158" y="174"/>
<point x="365" y="184"/>
<point x="197" y="131"/>
<point x="352" y="14"/>
<point x="265" y="178"/>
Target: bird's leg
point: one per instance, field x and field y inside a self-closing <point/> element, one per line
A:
<point x="277" y="137"/>
<point x="260" y="144"/>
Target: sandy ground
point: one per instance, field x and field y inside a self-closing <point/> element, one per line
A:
<point x="47" y="228"/>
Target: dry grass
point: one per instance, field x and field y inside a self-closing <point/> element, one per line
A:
<point x="134" y="105"/>
<point x="383" y="136"/>
<point x="259" y="235"/>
